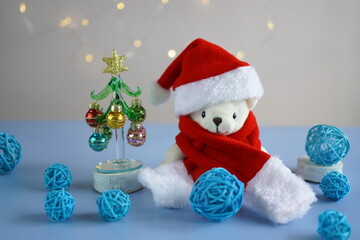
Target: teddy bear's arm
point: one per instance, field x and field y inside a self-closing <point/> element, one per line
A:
<point x="173" y="154"/>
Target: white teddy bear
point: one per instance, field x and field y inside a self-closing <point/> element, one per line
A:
<point x="214" y="94"/>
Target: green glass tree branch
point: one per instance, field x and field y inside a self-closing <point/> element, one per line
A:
<point x="117" y="86"/>
<point x="128" y="91"/>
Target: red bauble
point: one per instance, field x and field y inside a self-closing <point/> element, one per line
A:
<point x="93" y="114"/>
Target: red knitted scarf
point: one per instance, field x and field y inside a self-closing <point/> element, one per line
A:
<point x="240" y="153"/>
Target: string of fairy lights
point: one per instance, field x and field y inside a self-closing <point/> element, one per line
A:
<point x="71" y="23"/>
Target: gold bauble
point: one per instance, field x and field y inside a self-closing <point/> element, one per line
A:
<point x="115" y="118"/>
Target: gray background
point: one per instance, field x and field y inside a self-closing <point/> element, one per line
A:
<point x="309" y="62"/>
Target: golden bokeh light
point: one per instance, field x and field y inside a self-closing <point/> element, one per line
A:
<point x="137" y="43"/>
<point x="22" y="7"/>
<point x="240" y="55"/>
<point x="270" y="25"/>
<point x="171" y="53"/>
<point x="120" y="5"/>
<point x="85" y="22"/>
<point x="65" y="22"/>
<point x="89" y="57"/>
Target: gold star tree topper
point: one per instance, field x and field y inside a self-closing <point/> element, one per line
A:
<point x="114" y="63"/>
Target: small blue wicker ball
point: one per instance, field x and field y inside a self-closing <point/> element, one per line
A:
<point x="326" y="145"/>
<point x="113" y="205"/>
<point x="59" y="205"/>
<point x="10" y="153"/>
<point x="57" y="176"/>
<point x="335" y="185"/>
<point x="217" y="195"/>
<point x="333" y="225"/>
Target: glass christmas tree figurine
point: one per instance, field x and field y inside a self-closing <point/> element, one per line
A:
<point x="113" y="119"/>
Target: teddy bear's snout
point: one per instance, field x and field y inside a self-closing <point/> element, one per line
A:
<point x="217" y="121"/>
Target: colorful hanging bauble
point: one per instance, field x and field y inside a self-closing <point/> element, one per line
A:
<point x="108" y="132"/>
<point x="115" y="118"/>
<point x="93" y="114"/>
<point x="98" y="140"/>
<point x="138" y="112"/>
<point x="136" y="135"/>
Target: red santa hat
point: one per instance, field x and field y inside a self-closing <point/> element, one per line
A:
<point x="205" y="74"/>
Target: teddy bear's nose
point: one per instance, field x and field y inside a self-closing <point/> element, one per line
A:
<point x="217" y="121"/>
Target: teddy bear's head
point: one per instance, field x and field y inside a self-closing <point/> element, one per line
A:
<point x="224" y="118"/>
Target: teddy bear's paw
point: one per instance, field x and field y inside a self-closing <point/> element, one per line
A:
<point x="170" y="184"/>
<point x="278" y="193"/>
<point x="173" y="154"/>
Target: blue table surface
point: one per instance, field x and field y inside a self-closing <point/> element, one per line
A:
<point x="44" y="143"/>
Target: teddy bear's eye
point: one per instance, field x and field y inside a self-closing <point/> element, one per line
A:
<point x="203" y="114"/>
<point x="234" y="115"/>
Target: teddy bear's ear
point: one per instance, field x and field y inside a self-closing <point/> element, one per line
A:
<point x="251" y="102"/>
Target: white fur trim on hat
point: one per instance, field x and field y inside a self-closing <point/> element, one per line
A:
<point x="157" y="95"/>
<point x="239" y="84"/>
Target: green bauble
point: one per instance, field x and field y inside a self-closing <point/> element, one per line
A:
<point x="107" y="132"/>
<point x="137" y="112"/>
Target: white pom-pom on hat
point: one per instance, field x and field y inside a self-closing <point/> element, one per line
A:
<point x="157" y="95"/>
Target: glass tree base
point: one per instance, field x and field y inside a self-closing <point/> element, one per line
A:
<point x="121" y="174"/>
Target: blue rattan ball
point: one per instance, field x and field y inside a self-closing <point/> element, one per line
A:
<point x="326" y="145"/>
<point x="333" y="225"/>
<point x="113" y="205"/>
<point x="10" y="153"/>
<point x="335" y="185"/>
<point x="57" y="176"/>
<point x="217" y="195"/>
<point x="59" y="205"/>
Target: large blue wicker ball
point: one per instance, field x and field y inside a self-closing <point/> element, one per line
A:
<point x="335" y="185"/>
<point x="10" y="153"/>
<point x="217" y="195"/>
<point x="113" y="205"/>
<point x="59" y="205"/>
<point x="326" y="145"/>
<point x="57" y="176"/>
<point x="333" y="225"/>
